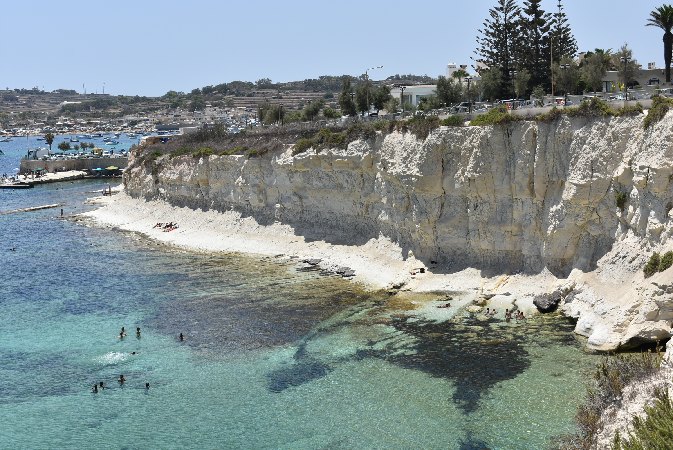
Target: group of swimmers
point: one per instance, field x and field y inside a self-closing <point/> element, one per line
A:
<point x="509" y="315"/>
<point x="518" y="315"/>
<point x="121" y="380"/>
<point x="168" y="226"/>
<point x="122" y="333"/>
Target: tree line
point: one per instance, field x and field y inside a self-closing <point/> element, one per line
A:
<point x="524" y="50"/>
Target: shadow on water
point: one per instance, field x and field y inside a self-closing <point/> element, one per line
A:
<point x="296" y="374"/>
<point x="474" y="363"/>
<point x="475" y="355"/>
<point x="473" y="444"/>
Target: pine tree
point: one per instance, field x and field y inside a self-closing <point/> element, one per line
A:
<point x="534" y="53"/>
<point x="345" y="99"/>
<point x="498" y="41"/>
<point x="563" y="41"/>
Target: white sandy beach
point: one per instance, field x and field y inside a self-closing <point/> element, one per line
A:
<point x="378" y="264"/>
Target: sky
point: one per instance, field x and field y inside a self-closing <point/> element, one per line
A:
<point x="148" y="47"/>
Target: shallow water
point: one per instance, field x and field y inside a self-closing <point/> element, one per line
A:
<point x="274" y="357"/>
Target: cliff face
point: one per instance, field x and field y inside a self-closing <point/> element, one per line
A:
<point x="523" y="197"/>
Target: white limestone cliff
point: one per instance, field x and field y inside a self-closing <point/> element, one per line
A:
<point x="525" y="197"/>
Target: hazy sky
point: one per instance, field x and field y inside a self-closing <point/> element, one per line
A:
<point x="148" y="47"/>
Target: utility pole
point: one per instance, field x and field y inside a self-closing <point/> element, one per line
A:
<point x="625" y="60"/>
<point x="402" y="88"/>
<point x="469" y="100"/>
<point x="367" y="83"/>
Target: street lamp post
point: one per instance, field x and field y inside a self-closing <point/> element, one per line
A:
<point x="565" y="67"/>
<point x="625" y="60"/>
<point x="367" y="81"/>
<point x="402" y="88"/>
<point x="512" y="75"/>
<point x="469" y="100"/>
<point x="353" y="101"/>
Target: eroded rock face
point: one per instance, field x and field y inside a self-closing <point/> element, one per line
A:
<point x="523" y="197"/>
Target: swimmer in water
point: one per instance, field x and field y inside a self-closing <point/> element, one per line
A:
<point x="122" y="333"/>
<point x="138" y="332"/>
<point x="94" y="389"/>
<point x="147" y="386"/>
<point x="181" y="337"/>
<point x="121" y="379"/>
<point x="102" y="385"/>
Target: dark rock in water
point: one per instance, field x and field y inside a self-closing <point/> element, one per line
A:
<point x="547" y="303"/>
<point x="348" y="273"/>
<point x="313" y="261"/>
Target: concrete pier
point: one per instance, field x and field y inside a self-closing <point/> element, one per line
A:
<point x="64" y="165"/>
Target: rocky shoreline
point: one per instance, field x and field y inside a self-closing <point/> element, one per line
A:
<point x="526" y="209"/>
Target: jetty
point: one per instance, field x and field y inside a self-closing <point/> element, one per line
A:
<point x="32" y="208"/>
<point x="17" y="185"/>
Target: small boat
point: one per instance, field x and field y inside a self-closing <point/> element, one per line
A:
<point x="17" y="186"/>
<point x="74" y="139"/>
<point x="6" y="139"/>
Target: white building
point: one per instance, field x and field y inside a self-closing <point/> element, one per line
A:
<point x="413" y="94"/>
<point x="453" y="67"/>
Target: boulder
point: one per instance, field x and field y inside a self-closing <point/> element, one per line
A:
<point x="547" y="303"/>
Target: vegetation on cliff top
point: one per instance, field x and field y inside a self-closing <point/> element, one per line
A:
<point x="660" y="106"/>
<point x="214" y="139"/>
<point x="612" y="375"/>
<point x="655" y="431"/>
<point x="658" y="263"/>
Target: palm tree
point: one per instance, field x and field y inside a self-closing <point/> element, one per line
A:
<point x="662" y="17"/>
<point x="49" y="139"/>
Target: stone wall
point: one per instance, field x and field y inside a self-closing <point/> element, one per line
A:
<point x="72" y="164"/>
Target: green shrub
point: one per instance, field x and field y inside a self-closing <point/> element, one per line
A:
<point x="630" y="110"/>
<point x="595" y="107"/>
<point x="612" y="375"/>
<point x="652" y="265"/>
<point x="202" y="152"/>
<point x="453" y="121"/>
<point x="550" y="116"/>
<point x="382" y="125"/>
<point x="330" y="113"/>
<point x="660" y="106"/>
<point x="496" y="116"/>
<point x="364" y="131"/>
<point x="655" y="431"/>
<point x="215" y="132"/>
<point x="620" y="199"/>
<point x="238" y="150"/>
<point x="420" y="126"/>
<point x="254" y="152"/>
<point x="180" y="151"/>
<point x="301" y="146"/>
<point x="154" y="155"/>
<point x="666" y="261"/>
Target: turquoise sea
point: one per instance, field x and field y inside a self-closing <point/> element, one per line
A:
<point x="273" y="356"/>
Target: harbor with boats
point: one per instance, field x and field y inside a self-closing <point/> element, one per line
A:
<point x="27" y="161"/>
